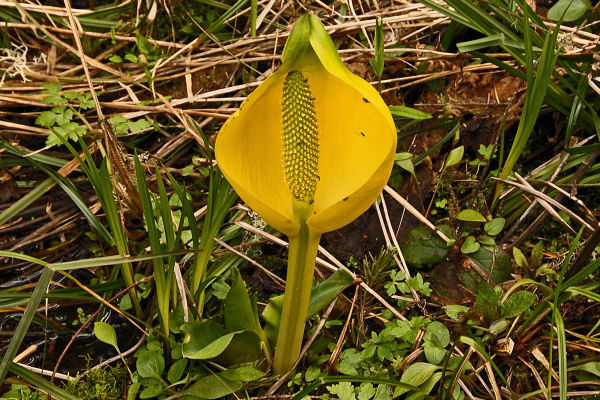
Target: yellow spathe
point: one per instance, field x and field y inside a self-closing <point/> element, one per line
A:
<point x="356" y="138"/>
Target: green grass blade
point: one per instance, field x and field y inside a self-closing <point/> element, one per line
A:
<point x="576" y="108"/>
<point x="41" y="383"/>
<point x="26" y="201"/>
<point x="533" y="103"/>
<point x="15" y="343"/>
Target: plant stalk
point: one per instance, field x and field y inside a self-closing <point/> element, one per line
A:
<point x="302" y="254"/>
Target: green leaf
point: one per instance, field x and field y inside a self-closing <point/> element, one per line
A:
<point x="131" y="58"/>
<point x="115" y="59"/>
<point x="537" y="255"/>
<point x="244" y="347"/>
<point x="434" y="354"/>
<point x="470" y="245"/>
<point x="52" y="87"/>
<point x="494" y="226"/>
<point x="454" y="157"/>
<point x="470" y="215"/>
<point x="486" y="241"/>
<point x="149" y="364"/>
<point x="487" y="300"/>
<point x="517" y="304"/>
<point x="65" y="117"/>
<point x="213" y="387"/>
<point x="520" y="258"/>
<point x="133" y="390"/>
<point x="151" y="392"/>
<point x="312" y="373"/>
<point x="212" y="350"/>
<point x="405" y="161"/>
<point x="497" y="327"/>
<point x="244" y="373"/>
<point x="572" y="10"/>
<point x="46" y="119"/>
<point x="143" y="44"/>
<point x="415" y="375"/>
<point x="409" y="113"/>
<point x="54" y="99"/>
<point x="106" y="333"/>
<point x="177" y="369"/>
<point x="366" y="391"/>
<point x="592" y="367"/>
<point x="139" y="125"/>
<point x="73" y="96"/>
<point x="438" y="334"/>
<point x="239" y="315"/>
<point x="482" y="43"/>
<point x="343" y="390"/>
<point x="421" y="246"/>
<point x="377" y="62"/>
<point x="455" y="310"/>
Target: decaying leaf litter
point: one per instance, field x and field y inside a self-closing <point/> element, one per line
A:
<point x="164" y="98"/>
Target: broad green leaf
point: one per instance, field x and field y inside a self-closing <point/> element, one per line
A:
<point x="470" y="245"/>
<point x="133" y="391"/>
<point x="455" y="310"/>
<point x="487" y="241"/>
<point x="517" y="304"/>
<point x="415" y="375"/>
<point x="437" y="333"/>
<point x="343" y="390"/>
<point x="244" y="347"/>
<point x="592" y="367"/>
<point x="421" y="246"/>
<point x="575" y="9"/>
<point x="366" y="391"/>
<point x="46" y="119"/>
<point x="244" y="373"/>
<point x="106" y="333"/>
<point x="454" y="157"/>
<point x="149" y="364"/>
<point x="213" y="387"/>
<point x="151" y="392"/>
<point x="487" y="300"/>
<point x="52" y="87"/>
<point x="143" y="44"/>
<point x="494" y="226"/>
<point x="434" y="354"/>
<point x="497" y="263"/>
<point x="405" y="161"/>
<point x="239" y="315"/>
<point x="139" y="125"/>
<point x="537" y="255"/>
<point x="470" y="215"/>
<point x="177" y="369"/>
<point x="212" y="350"/>
<point x="520" y="258"/>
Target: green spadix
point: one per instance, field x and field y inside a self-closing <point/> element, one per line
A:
<point x="309" y="150"/>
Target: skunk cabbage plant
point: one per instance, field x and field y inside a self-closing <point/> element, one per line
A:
<point x="309" y="150"/>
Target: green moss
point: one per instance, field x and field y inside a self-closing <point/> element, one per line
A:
<point x="104" y="383"/>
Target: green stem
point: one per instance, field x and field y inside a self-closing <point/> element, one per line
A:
<point x="301" y="264"/>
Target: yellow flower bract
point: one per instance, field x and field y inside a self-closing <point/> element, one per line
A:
<point x="356" y="138"/>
